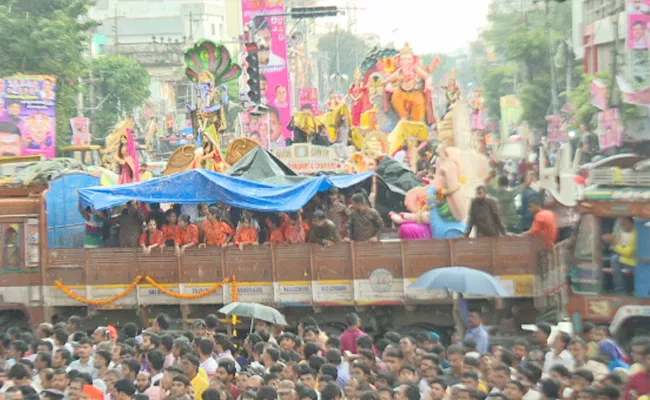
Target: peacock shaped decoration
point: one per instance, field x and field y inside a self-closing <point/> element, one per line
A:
<point x="210" y="67"/>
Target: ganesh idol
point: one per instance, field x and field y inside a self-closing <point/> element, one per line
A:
<point x="410" y="88"/>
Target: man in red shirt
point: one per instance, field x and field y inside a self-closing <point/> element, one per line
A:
<point x="639" y="384"/>
<point x="350" y="335"/>
<point x="544" y="223"/>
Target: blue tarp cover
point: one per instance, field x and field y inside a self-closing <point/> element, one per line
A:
<point x="202" y="186"/>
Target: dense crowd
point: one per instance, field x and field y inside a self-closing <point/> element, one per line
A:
<point x="62" y="362"/>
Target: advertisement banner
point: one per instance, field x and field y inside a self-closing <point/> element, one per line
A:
<point x="610" y="128"/>
<point x="638" y="19"/>
<point x="557" y="128"/>
<point x="309" y="97"/>
<point x="269" y="33"/>
<point x="511" y="112"/>
<point x="80" y="131"/>
<point x="28" y="115"/>
<point x="631" y="96"/>
<point x="599" y="94"/>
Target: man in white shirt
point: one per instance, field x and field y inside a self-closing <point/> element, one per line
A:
<point x="208" y="363"/>
<point x="559" y="353"/>
<point x="85" y="362"/>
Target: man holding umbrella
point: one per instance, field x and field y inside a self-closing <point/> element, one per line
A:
<point x="471" y="319"/>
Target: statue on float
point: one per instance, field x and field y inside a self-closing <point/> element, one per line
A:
<point x="478" y="111"/>
<point x="121" y="152"/>
<point x="440" y="210"/>
<point x="210" y="67"/>
<point x="358" y="98"/>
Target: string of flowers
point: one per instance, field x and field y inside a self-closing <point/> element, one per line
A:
<point x="187" y="296"/>
<point x="151" y="281"/>
<point x="103" y="302"/>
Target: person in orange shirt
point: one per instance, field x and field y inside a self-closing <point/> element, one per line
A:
<point x="171" y="231"/>
<point x="246" y="234"/>
<point x="189" y="236"/>
<point x="276" y="235"/>
<point x="544" y="223"/>
<point x="294" y="229"/>
<point x="215" y="231"/>
<point x="152" y="237"/>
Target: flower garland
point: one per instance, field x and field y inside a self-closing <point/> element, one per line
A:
<point x="103" y="302"/>
<point x="155" y="284"/>
<point x="186" y="296"/>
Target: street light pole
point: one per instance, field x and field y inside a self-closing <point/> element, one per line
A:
<point x="554" y="99"/>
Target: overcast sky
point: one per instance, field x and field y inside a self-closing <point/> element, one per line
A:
<point x="430" y="26"/>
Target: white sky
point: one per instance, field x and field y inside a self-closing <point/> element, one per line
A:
<point x="430" y="26"/>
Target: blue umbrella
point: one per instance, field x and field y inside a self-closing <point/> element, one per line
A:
<point x="461" y="280"/>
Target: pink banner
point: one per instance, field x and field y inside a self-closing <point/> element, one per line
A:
<point x="610" y="128"/>
<point x="309" y="97"/>
<point x="269" y="32"/>
<point x="599" y="94"/>
<point x="80" y="131"/>
<point x="631" y="96"/>
<point x="637" y="36"/>
<point x="557" y="128"/>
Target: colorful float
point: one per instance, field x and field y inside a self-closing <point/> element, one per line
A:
<point x="209" y="67"/>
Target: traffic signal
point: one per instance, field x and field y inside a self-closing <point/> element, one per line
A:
<point x="314" y="12"/>
<point x="253" y="73"/>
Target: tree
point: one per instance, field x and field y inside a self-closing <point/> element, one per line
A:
<point x="47" y="37"/>
<point x="351" y="50"/>
<point x="125" y="82"/>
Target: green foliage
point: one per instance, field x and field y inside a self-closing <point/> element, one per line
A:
<point x="127" y="85"/>
<point x="520" y="41"/>
<point x="47" y="37"/>
<point x="351" y="51"/>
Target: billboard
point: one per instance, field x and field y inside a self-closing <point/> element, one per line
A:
<point x="269" y="31"/>
<point x="80" y="131"/>
<point x="511" y="112"/>
<point x="309" y="97"/>
<point x="610" y="128"/>
<point x="28" y="115"/>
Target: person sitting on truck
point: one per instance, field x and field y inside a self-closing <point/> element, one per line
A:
<point x="246" y="234"/>
<point x="544" y="224"/>
<point x="189" y="235"/>
<point x="152" y="237"/>
<point x="365" y="222"/>
<point x="323" y="230"/>
<point x="215" y="231"/>
<point x="94" y="227"/>
<point x="171" y="230"/>
<point x="624" y="245"/>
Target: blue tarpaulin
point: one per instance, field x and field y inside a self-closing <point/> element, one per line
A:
<point x="202" y="186"/>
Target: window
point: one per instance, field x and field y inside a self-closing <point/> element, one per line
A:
<point x="214" y="31"/>
<point x="585" y="243"/>
<point x="12" y="245"/>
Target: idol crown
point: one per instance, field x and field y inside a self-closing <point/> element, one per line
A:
<point x="406" y="50"/>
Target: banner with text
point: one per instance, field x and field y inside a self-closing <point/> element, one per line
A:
<point x="309" y="97"/>
<point x="610" y="128"/>
<point x="269" y="33"/>
<point x="28" y="115"/>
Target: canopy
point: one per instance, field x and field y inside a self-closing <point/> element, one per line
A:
<point x="258" y="165"/>
<point x="202" y="186"/>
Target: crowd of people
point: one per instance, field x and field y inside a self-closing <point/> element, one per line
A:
<point x="274" y="363"/>
<point x="331" y="218"/>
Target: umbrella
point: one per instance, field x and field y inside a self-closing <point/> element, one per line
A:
<point x="461" y="280"/>
<point x="106" y="177"/>
<point x="254" y="311"/>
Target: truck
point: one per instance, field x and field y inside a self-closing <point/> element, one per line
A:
<point x="114" y="285"/>
<point x="618" y="187"/>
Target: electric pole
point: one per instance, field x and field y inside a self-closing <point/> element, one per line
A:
<point x="116" y="31"/>
<point x="616" y="9"/>
<point x="554" y="99"/>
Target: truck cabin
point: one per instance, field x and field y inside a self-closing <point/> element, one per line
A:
<point x="629" y="322"/>
<point x="614" y="217"/>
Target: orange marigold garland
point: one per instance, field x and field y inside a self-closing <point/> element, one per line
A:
<point x="103" y="302"/>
